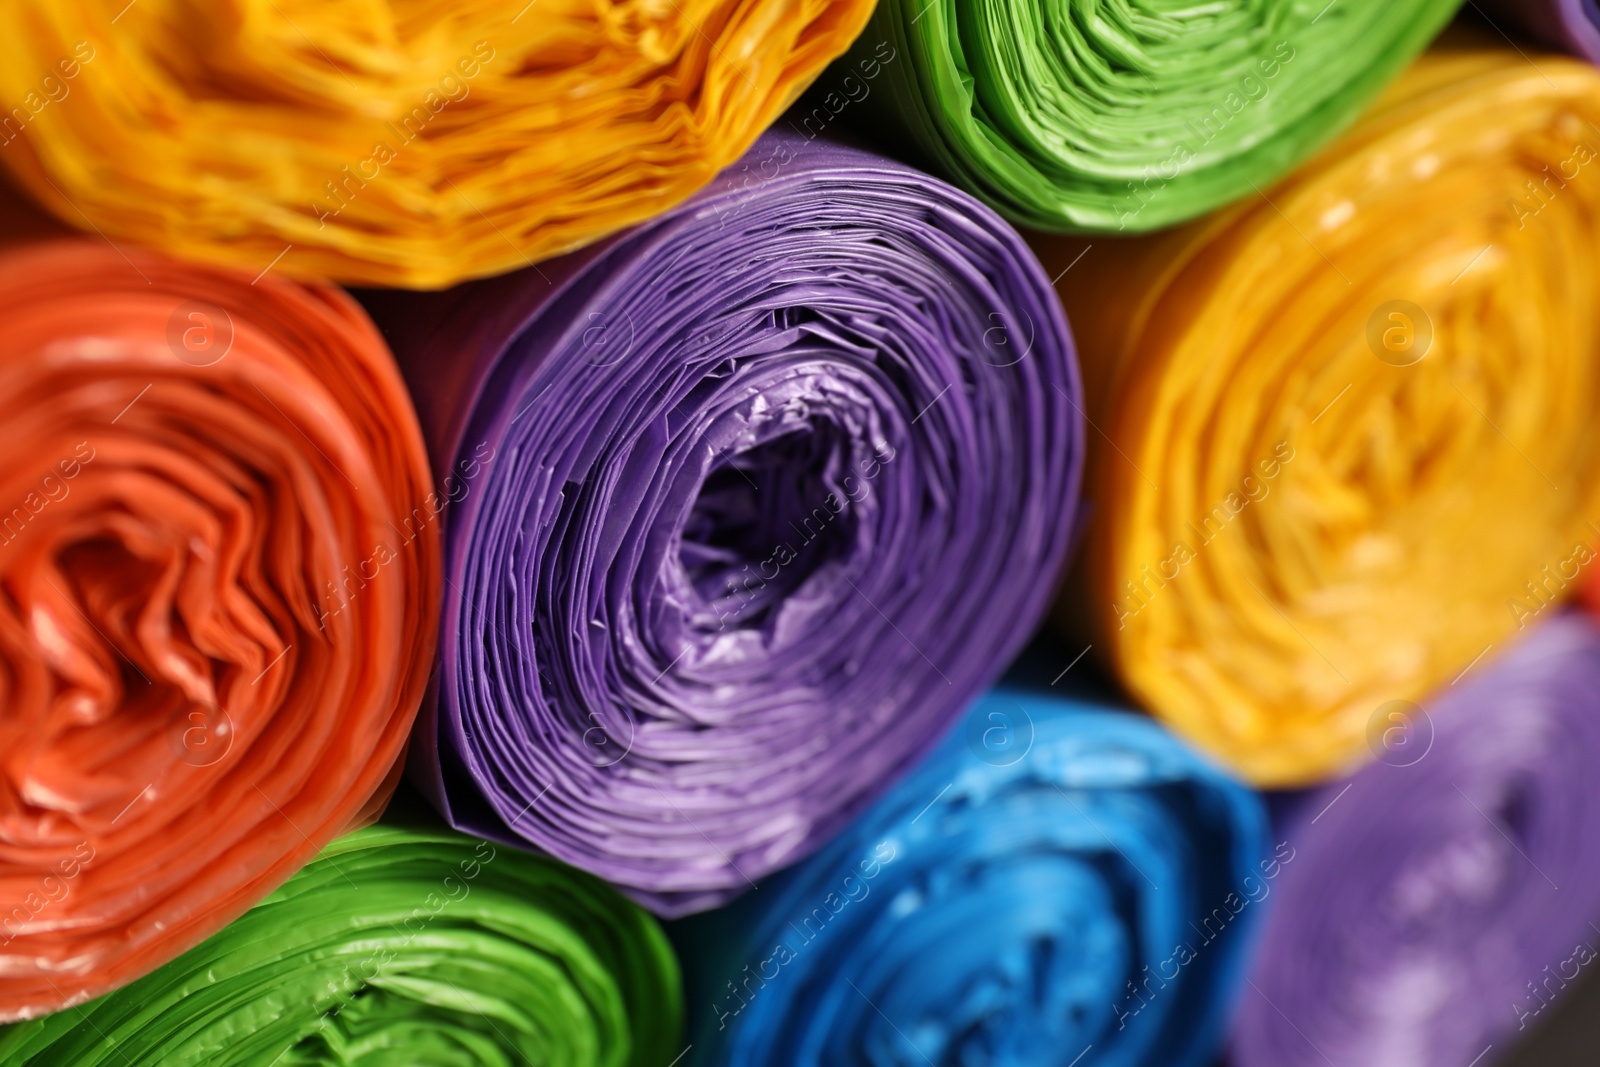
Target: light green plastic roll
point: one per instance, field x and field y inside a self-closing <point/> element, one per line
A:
<point x="403" y="948"/>
<point x="1104" y="115"/>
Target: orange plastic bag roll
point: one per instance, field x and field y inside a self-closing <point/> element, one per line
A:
<point x="218" y="585"/>
<point x="1349" y="431"/>
<point x="386" y="143"/>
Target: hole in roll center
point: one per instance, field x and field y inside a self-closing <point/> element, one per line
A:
<point x="766" y="520"/>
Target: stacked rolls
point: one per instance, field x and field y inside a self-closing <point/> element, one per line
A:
<point x="751" y="502"/>
<point x="392" y="144"/>
<point x="1350" y="446"/>
<point x="221" y="584"/>
<point x="1057" y="878"/>
<point x="744" y="462"/>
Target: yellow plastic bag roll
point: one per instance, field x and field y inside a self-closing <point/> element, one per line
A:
<point x="1347" y="433"/>
<point x="384" y="142"/>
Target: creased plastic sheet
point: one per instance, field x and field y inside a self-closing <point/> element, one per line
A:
<point x="1091" y="117"/>
<point x="218" y="601"/>
<point x="397" y="946"/>
<point x="748" y="504"/>
<point x="1059" y="883"/>
<point x="392" y="143"/>
<point x="1352" y="426"/>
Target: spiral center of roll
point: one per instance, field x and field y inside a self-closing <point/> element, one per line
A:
<point x="766" y="520"/>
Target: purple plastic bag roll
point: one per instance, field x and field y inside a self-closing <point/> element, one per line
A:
<point x="742" y="508"/>
<point x="1572" y="25"/>
<point x="1442" y="897"/>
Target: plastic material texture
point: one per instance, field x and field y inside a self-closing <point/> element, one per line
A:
<point x="1090" y="117"/>
<point x="1444" y="896"/>
<point x="749" y="504"/>
<point x="396" y="947"/>
<point x="386" y="143"/>
<point x="1059" y="883"/>
<point x="220" y="601"/>
<point x="1352" y="426"/>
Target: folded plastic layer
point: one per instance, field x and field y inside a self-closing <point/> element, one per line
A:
<point x="1352" y="426"/>
<point x="749" y="504"/>
<point x="1443" y="897"/>
<point x="1573" y="25"/>
<point x="396" y="946"/>
<point x="1088" y="117"/>
<point x="1057" y="881"/>
<point x="220" y="584"/>
<point x="387" y="143"/>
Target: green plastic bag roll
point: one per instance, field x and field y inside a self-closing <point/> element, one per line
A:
<point x="397" y="947"/>
<point x="1084" y="116"/>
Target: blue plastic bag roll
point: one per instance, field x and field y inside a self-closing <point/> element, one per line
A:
<point x="1056" y="881"/>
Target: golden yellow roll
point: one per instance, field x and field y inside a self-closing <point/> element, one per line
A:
<point x="388" y="142"/>
<point x="1347" y="437"/>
